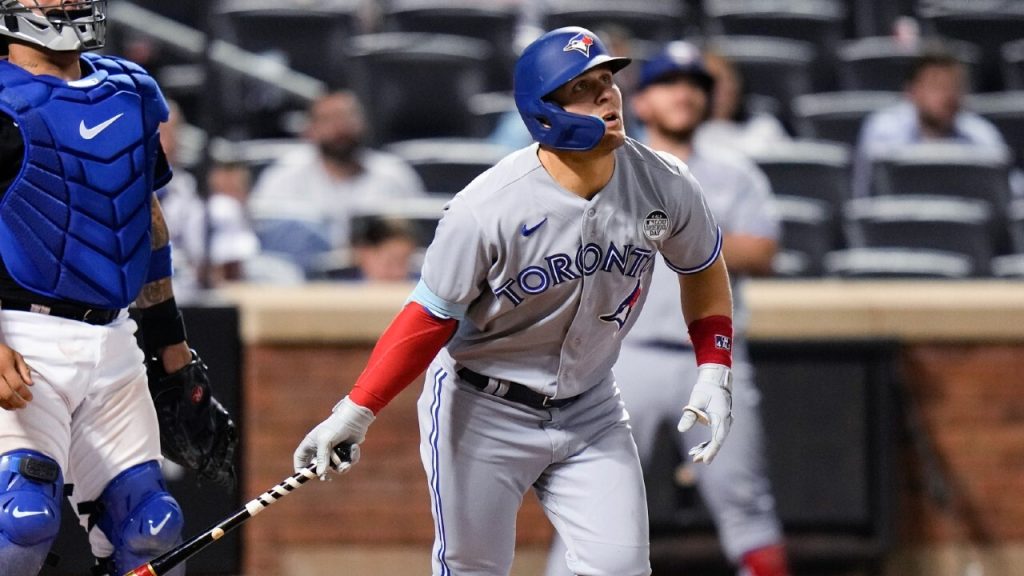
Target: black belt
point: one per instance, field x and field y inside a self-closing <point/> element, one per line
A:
<point x="95" y="316"/>
<point x="511" y="391"/>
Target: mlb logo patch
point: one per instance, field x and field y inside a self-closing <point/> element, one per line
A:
<point x="580" y="43"/>
<point x="723" y="342"/>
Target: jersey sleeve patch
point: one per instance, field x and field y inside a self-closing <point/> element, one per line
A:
<point x="435" y="304"/>
<point x="710" y="260"/>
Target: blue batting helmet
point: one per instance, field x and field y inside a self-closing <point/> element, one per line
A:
<point x="546" y="64"/>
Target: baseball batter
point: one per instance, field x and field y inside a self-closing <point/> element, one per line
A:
<point x="81" y="238"/>
<point x="672" y="100"/>
<point x="537" y="272"/>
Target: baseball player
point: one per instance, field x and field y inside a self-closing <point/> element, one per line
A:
<point x="81" y="238"/>
<point x="673" y="99"/>
<point x="536" y="273"/>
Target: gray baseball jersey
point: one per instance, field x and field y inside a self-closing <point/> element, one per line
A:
<point x="546" y="284"/>
<point x="546" y="281"/>
<point x="735" y="487"/>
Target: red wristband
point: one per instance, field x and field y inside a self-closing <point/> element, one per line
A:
<point x="712" y="340"/>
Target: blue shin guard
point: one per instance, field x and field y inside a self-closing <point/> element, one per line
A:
<point x="139" y="517"/>
<point x="31" y="488"/>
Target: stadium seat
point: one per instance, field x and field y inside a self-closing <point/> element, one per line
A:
<point x="447" y="165"/>
<point x="300" y="33"/>
<point x="955" y="225"/>
<point x="256" y="154"/>
<point x="658" y="20"/>
<point x="295" y="35"/>
<point x="1006" y="111"/>
<point x="418" y="85"/>
<point x="820" y="22"/>
<point x="809" y="232"/>
<point x="837" y="116"/>
<point x="896" y="263"/>
<point x="1013" y="65"/>
<point x="494" y="23"/>
<point x="806" y="169"/>
<point x="1015" y="218"/>
<point x="422" y="213"/>
<point x="944" y="169"/>
<point x="777" y="68"/>
<point x="883" y="63"/>
<point x="989" y="25"/>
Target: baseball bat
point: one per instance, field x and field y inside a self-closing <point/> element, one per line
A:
<point x="163" y="563"/>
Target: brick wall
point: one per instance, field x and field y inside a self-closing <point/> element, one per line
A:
<point x="971" y="400"/>
<point x="384" y="501"/>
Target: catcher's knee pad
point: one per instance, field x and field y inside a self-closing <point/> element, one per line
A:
<point x="31" y="488"/>
<point x="139" y="517"/>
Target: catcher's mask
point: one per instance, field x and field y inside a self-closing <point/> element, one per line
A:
<point x="70" y="26"/>
<point x="546" y="64"/>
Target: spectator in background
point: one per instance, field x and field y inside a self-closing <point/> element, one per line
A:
<point x="303" y="204"/>
<point x="382" y="251"/>
<point x="673" y="98"/>
<point x="732" y="123"/>
<point x="232" y="240"/>
<point x="211" y="237"/>
<point x="184" y="211"/>
<point x="931" y="111"/>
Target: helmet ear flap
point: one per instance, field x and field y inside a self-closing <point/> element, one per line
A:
<point x="574" y="132"/>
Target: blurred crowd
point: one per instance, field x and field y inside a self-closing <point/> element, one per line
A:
<point x="889" y="144"/>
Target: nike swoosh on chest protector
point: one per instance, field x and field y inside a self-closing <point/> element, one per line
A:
<point x="90" y="133"/>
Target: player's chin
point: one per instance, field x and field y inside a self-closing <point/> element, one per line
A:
<point x="612" y="139"/>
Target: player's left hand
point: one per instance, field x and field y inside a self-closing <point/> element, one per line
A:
<point x="195" y="430"/>
<point x="710" y="404"/>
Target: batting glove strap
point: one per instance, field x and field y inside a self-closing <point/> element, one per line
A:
<point x="711" y="404"/>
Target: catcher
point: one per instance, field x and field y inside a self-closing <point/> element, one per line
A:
<point x="81" y="238"/>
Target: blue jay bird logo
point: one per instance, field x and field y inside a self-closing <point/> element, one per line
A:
<point x="580" y="43"/>
<point x="622" y="313"/>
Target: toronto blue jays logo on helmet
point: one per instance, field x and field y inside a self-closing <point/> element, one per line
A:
<point x="580" y="43"/>
<point x="621" y="314"/>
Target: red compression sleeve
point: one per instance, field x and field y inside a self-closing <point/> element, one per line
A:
<point x="712" y="340"/>
<point x="402" y="353"/>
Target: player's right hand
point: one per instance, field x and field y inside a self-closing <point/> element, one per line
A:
<point x="347" y="423"/>
<point x="15" y="379"/>
<point x="710" y="404"/>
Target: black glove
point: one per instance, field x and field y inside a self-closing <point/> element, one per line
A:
<point x="195" y="430"/>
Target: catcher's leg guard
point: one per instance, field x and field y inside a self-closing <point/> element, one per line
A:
<point x="139" y="517"/>
<point x="31" y="487"/>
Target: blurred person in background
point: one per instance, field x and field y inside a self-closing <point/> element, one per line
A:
<point x="732" y="123"/>
<point x="211" y="236"/>
<point x="674" y="96"/>
<point x="931" y="111"/>
<point x="382" y="251"/>
<point x="302" y="205"/>
<point x="184" y="211"/>
<point x="232" y="241"/>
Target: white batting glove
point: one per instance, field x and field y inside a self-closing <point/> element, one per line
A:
<point x="347" y="423"/>
<point x="710" y="404"/>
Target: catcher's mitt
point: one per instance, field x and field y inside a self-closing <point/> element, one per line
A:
<point x="195" y="430"/>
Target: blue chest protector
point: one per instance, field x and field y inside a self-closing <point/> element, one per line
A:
<point x="75" y="222"/>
